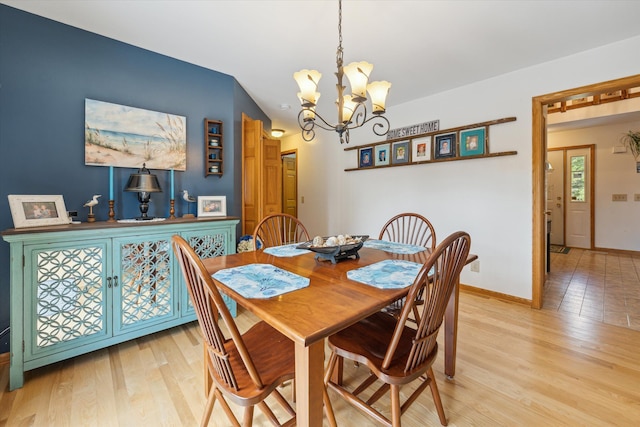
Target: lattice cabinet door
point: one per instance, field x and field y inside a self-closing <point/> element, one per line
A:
<point x="66" y="296"/>
<point x="208" y="244"/>
<point x="145" y="291"/>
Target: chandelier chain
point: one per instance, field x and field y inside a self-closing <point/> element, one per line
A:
<point x="339" y="53"/>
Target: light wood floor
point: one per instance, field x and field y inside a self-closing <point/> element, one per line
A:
<point x="598" y="285"/>
<point x="516" y="367"/>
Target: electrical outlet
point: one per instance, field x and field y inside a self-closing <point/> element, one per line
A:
<point x="475" y="266"/>
<point x="619" y="197"/>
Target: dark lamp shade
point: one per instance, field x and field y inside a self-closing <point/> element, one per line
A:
<point x="143" y="182"/>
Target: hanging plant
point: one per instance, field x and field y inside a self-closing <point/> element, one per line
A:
<point x="631" y="139"/>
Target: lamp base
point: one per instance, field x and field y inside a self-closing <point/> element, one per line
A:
<point x="145" y="218"/>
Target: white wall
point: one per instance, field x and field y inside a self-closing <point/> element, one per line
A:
<point x="490" y="198"/>
<point x="616" y="223"/>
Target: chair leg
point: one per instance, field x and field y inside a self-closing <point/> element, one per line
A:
<point x="247" y="417"/>
<point x="208" y="408"/>
<point x="328" y="408"/>
<point x="436" y="397"/>
<point x="268" y="413"/>
<point x="283" y="402"/>
<point x="396" y="411"/>
<point x="227" y="409"/>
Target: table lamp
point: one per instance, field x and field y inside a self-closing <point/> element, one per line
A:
<point x="144" y="183"/>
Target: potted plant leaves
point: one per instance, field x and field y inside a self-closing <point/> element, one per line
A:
<point x="631" y="140"/>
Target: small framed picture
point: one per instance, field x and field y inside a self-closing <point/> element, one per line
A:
<point x="445" y="146"/>
<point x="472" y="142"/>
<point x="382" y="154"/>
<point x="611" y="95"/>
<point x="579" y="101"/>
<point x="400" y="152"/>
<point x="212" y="206"/>
<point x="421" y="149"/>
<point x="365" y="156"/>
<point x="37" y="211"/>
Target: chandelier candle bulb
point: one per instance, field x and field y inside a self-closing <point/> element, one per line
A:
<point x="358" y="75"/>
<point x="308" y="82"/>
<point x="378" y="92"/>
<point x="348" y="108"/>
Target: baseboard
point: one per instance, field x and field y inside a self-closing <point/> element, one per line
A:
<point x="5" y="359"/>
<point x="617" y="251"/>
<point x="493" y="294"/>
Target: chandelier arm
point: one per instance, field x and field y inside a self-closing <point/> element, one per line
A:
<point x="322" y="124"/>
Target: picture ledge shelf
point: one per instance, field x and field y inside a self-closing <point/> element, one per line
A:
<point x="454" y="134"/>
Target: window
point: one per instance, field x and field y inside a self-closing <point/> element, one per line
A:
<point x="578" y="178"/>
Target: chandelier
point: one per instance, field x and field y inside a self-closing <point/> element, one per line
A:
<point x="352" y="110"/>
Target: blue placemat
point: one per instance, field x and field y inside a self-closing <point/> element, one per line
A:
<point x="285" y="250"/>
<point x="387" y="274"/>
<point x="260" y="280"/>
<point x="393" y="247"/>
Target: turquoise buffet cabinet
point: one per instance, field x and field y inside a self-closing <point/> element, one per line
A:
<point x="78" y="288"/>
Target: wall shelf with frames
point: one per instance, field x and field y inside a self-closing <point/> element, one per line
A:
<point x="459" y="143"/>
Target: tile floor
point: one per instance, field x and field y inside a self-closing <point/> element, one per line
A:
<point x="603" y="286"/>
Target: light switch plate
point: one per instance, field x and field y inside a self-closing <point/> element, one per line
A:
<point x="636" y="197"/>
<point x="619" y="197"/>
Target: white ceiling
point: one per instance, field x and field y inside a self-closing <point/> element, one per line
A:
<point x="422" y="47"/>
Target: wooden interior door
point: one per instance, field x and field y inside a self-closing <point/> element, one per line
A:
<point x="271" y="195"/>
<point x="261" y="174"/>
<point x="290" y="185"/>
<point x="251" y="135"/>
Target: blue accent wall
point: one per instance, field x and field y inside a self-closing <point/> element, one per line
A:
<point x="47" y="69"/>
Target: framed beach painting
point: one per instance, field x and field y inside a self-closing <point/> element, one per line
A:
<point x="127" y="137"/>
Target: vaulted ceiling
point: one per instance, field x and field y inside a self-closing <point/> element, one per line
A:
<point x="421" y="47"/>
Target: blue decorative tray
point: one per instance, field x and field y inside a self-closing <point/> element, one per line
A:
<point x="336" y="253"/>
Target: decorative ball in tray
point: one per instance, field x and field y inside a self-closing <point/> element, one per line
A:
<point x="335" y="248"/>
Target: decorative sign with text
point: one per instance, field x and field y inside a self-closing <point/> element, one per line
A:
<point x="413" y="130"/>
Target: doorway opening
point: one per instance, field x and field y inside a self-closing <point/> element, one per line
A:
<point x="539" y="151"/>
<point x="570" y="187"/>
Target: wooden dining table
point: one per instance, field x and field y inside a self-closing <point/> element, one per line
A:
<point x="329" y="304"/>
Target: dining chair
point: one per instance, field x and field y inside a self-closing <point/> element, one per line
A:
<point x="411" y="229"/>
<point x="244" y="368"/>
<point x="396" y="353"/>
<point x="280" y="229"/>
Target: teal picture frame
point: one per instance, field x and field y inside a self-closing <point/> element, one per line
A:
<point x="383" y="154"/>
<point x="473" y="142"/>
